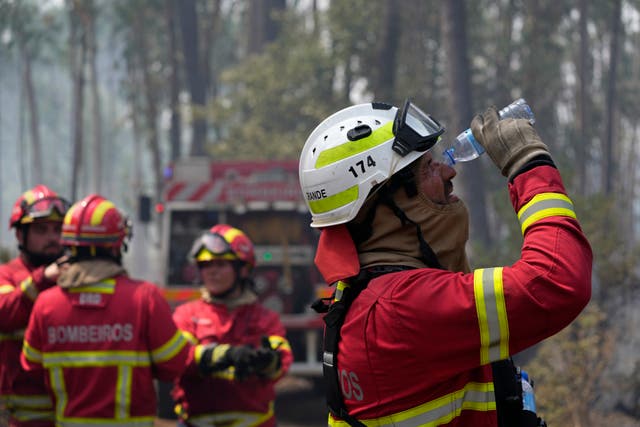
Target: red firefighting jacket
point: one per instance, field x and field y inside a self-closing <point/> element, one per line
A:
<point x="416" y="345"/>
<point x="220" y="398"/>
<point x="102" y="345"/>
<point x="22" y="392"/>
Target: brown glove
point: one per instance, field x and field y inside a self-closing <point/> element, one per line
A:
<point x="510" y="143"/>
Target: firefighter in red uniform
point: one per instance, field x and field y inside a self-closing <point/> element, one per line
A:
<point x="243" y="351"/>
<point x="423" y="334"/>
<point x="37" y="218"/>
<point x="102" y="336"/>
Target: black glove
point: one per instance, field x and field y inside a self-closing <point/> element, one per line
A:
<point x="218" y="357"/>
<point x="267" y="360"/>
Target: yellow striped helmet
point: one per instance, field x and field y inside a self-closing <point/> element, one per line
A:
<point x="95" y="221"/>
<point x="355" y="149"/>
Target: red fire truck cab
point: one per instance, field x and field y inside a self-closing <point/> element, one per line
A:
<point x="262" y="198"/>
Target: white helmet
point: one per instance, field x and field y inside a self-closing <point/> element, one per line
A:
<point x="354" y="150"/>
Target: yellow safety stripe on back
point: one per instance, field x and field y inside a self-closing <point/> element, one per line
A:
<point x="31" y="353"/>
<point x="544" y="205"/>
<point x="232" y="418"/>
<point x="492" y="314"/>
<point x="6" y="289"/>
<point x="169" y="349"/>
<point x="80" y="359"/>
<point x="123" y="392"/>
<point x="107" y="286"/>
<point x="351" y="148"/>
<point x="473" y="396"/>
<point x="334" y="201"/>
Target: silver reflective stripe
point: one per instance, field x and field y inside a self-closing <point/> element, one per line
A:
<point x="123" y="391"/>
<point x="545" y="205"/>
<point x="492" y="314"/>
<point x="327" y="358"/>
<point x="13" y="336"/>
<point x="169" y="349"/>
<point x="441" y="411"/>
<point x="101" y="422"/>
<point x="56" y="379"/>
<point x="85" y="358"/>
<point x="235" y="419"/>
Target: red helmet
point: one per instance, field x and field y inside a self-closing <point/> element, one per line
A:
<point x="95" y="221"/>
<point x="223" y="241"/>
<point x="38" y="204"/>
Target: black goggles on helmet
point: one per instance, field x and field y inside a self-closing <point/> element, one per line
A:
<point x="54" y="207"/>
<point x="414" y="130"/>
<point x="211" y="246"/>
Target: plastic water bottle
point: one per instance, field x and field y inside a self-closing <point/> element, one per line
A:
<point x="528" y="398"/>
<point x="466" y="147"/>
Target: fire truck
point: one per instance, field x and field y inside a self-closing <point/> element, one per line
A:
<point x="262" y="198"/>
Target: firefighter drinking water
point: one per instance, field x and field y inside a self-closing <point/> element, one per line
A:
<point x="413" y="336"/>
<point x="242" y="348"/>
<point x="37" y="219"/>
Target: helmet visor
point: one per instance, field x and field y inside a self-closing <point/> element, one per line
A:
<point x="211" y="246"/>
<point x="53" y="208"/>
<point x="414" y="130"/>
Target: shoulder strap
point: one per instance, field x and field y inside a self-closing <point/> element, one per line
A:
<point x="344" y="296"/>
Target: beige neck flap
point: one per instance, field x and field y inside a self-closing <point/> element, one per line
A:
<point x="444" y="227"/>
<point x="89" y="272"/>
<point x="245" y="298"/>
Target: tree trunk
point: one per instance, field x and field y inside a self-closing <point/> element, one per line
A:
<point x="150" y="109"/>
<point x="384" y="86"/>
<point x="174" y="83"/>
<point x="34" y="119"/>
<point x="263" y="27"/>
<point x="582" y="102"/>
<point x="95" y="178"/>
<point x="608" y="141"/>
<point x="458" y="72"/>
<point x="78" y="52"/>
<point x="197" y="88"/>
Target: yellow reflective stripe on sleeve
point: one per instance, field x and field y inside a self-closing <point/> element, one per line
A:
<point x="349" y="148"/>
<point x="279" y="343"/>
<point x="334" y="201"/>
<point x="29" y="288"/>
<point x="544" y="205"/>
<point x="78" y="359"/>
<point x="235" y="419"/>
<point x="31" y="353"/>
<point x="13" y="336"/>
<point x="492" y="314"/>
<point x="169" y="349"/>
<point x="473" y="396"/>
<point x="189" y="337"/>
<point x="107" y="286"/>
<point x="56" y="380"/>
<point x="6" y="289"/>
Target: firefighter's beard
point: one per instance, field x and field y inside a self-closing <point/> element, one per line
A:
<point x="39" y="259"/>
<point x="445" y="228"/>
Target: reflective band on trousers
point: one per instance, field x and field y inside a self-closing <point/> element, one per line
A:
<point x="441" y="411"/>
<point x="545" y="205"/>
<point x="492" y="314"/>
<point x="235" y="419"/>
